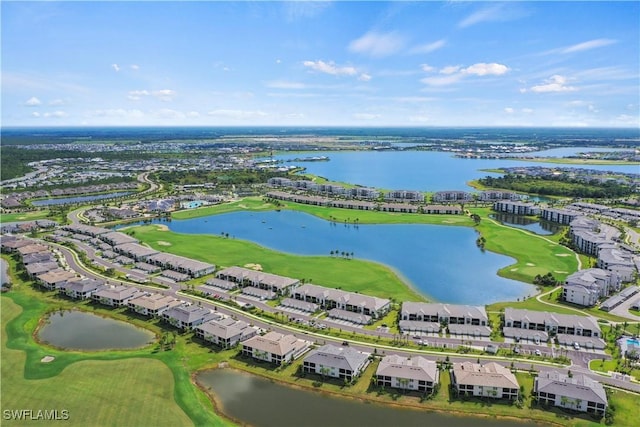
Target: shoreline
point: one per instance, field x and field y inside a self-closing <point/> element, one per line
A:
<point x="219" y="407"/>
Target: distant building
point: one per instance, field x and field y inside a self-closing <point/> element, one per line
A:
<point x="562" y="216"/>
<point x="452" y="196"/>
<point x="516" y="208"/>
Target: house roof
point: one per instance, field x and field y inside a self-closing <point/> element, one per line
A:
<point x="224" y="328"/>
<point x="578" y="386"/>
<point x="490" y="374"/>
<point x="343" y="297"/>
<point x="84" y="285"/>
<point x="118" y="292"/>
<point x="56" y="276"/>
<point x="337" y="357"/>
<point x="276" y="343"/>
<point x="416" y="367"/>
<point x="241" y="274"/>
<point x="177" y="261"/>
<point x="154" y="301"/>
<point x="136" y="249"/>
<point x="444" y="310"/>
<point x="118" y="238"/>
<point x="187" y="313"/>
<point x="554" y="319"/>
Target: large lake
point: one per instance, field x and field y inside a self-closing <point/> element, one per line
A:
<point x="78" y="330"/>
<point x="422" y="170"/>
<point x="442" y="262"/>
<point x="262" y="403"/>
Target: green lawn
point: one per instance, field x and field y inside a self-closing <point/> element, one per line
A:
<point x="349" y="274"/>
<point x="25" y="216"/>
<point x="130" y="391"/>
<point x="534" y="254"/>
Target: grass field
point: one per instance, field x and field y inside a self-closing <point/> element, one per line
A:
<point x="142" y="387"/>
<point x="24" y="216"/>
<point x="349" y="274"/>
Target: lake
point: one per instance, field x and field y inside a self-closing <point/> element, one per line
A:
<point x="518" y="221"/>
<point x="78" y="330"/>
<point x="263" y="403"/>
<point x="419" y="170"/>
<point x="78" y="199"/>
<point x="442" y="262"/>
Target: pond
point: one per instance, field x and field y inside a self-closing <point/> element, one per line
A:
<point x="441" y="262"/>
<point x="78" y="199"/>
<point x="543" y="228"/>
<point x="263" y="403"/>
<point x="78" y="330"/>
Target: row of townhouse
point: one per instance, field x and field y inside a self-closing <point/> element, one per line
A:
<point x="577" y="392"/>
<point x="364" y="205"/>
<point x="458" y="319"/>
<point x="561" y="216"/>
<point x="274" y="347"/>
<point x="248" y="278"/>
<point x="538" y="326"/>
<point x="341" y="303"/>
<point x="517" y="208"/>
<point x="587" y="287"/>
<point x="488" y="380"/>
<point x="332" y="361"/>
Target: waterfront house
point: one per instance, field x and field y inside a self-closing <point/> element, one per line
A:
<point x="135" y="250"/>
<point x="336" y="362"/>
<point x="488" y="380"/>
<point x="414" y="373"/>
<point x="442" y="209"/>
<point x="186" y="316"/>
<point x="275" y="347"/>
<point x="32" y="249"/>
<point x="562" y="216"/>
<point x="399" y="207"/>
<point x="586" y="287"/>
<point x="152" y="305"/>
<point x="353" y="204"/>
<point x="280" y="285"/>
<point x="452" y="196"/>
<point x="79" y="289"/>
<point x="617" y="260"/>
<point x="116" y="238"/>
<point x="181" y="264"/>
<point x="461" y="319"/>
<point x="404" y="196"/>
<point x="577" y="392"/>
<point x="225" y="332"/>
<point x="51" y="279"/>
<point x="40" y="267"/>
<point x="516" y="208"/>
<point x="492" y="195"/>
<point x="329" y="298"/>
<point x="116" y="296"/>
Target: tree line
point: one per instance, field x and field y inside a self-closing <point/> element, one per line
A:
<point x="558" y="186"/>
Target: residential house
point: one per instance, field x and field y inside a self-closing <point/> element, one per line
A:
<point x="414" y="373"/>
<point x="619" y="261"/>
<point x="51" y="279"/>
<point x="452" y="196"/>
<point x="225" y="332"/>
<point x="330" y="299"/>
<point x="152" y="305"/>
<point x="459" y="319"/>
<point x="577" y="392"/>
<point x="186" y="316"/>
<point x="275" y="347"/>
<point x="181" y="264"/>
<point x="488" y="380"/>
<point x="135" y="250"/>
<point x="336" y="362"/>
<point x="562" y="216"/>
<point x="79" y="289"/>
<point x="491" y="195"/>
<point x="516" y="208"/>
<point x="586" y="287"/>
<point x="116" y="296"/>
<point x="280" y="285"/>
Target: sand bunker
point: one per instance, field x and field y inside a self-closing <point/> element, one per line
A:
<point x="560" y="272"/>
<point x="514" y="269"/>
<point x="163" y="243"/>
<point x="530" y="264"/>
<point x="162" y="227"/>
<point x="563" y="254"/>
<point x="252" y="266"/>
<point x="47" y="359"/>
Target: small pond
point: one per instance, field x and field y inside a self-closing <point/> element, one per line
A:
<point x="78" y="330"/>
<point x="544" y="228"/>
<point x="263" y="403"/>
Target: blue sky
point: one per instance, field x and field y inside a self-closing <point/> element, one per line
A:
<point x="337" y="63"/>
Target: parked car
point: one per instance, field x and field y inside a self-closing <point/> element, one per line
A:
<point x="576" y="346"/>
<point x="538" y="352"/>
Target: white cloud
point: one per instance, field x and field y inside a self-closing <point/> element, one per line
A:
<point x="136" y="95"/>
<point x="330" y="68"/>
<point x="449" y="69"/>
<point x="454" y="73"/>
<point x="116" y="67"/>
<point x="366" y="116"/>
<point x="193" y="114"/>
<point x="421" y="118"/>
<point x="56" y="114"/>
<point x="591" y="44"/>
<point x="283" y="84"/>
<point x="166" y="113"/>
<point x="429" y="47"/>
<point x="278" y="61"/>
<point x="237" y="114"/>
<point x="555" y="83"/>
<point x="483" y="69"/>
<point x="135" y="67"/>
<point x="377" y="44"/>
<point x="527" y="110"/>
<point x="33" y="102"/>
<point x="364" y="77"/>
<point x="427" y="68"/>
<point x="119" y="113"/>
<point x="164" y="94"/>
<point x="483" y="15"/>
<point x="35" y="114"/>
<point x="509" y="110"/>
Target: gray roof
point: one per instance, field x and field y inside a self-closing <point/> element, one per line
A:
<point x="548" y="318"/>
<point x="337" y="357"/>
<point x="136" y="249"/>
<point x="416" y="367"/>
<point x="180" y="262"/>
<point x="154" y="301"/>
<point x="444" y="310"/>
<point x="241" y="274"/>
<point x="187" y="313"/>
<point x="118" y="238"/>
<point x="352" y="298"/>
<point x="226" y="328"/>
<point x="276" y="343"/>
<point x="84" y="285"/>
<point x="118" y="292"/>
<point x="490" y="374"/>
<point x="578" y="386"/>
